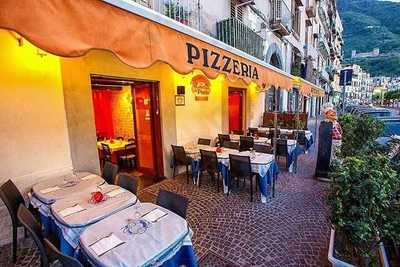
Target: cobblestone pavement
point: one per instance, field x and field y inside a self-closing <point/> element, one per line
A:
<point x="290" y="230"/>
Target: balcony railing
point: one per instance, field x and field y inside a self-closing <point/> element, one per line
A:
<point x="296" y="23"/>
<point x="185" y="11"/>
<point x="235" y="33"/>
<point x="281" y="19"/>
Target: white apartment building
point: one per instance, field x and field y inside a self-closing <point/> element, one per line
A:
<point x="362" y="85"/>
<point x="300" y="37"/>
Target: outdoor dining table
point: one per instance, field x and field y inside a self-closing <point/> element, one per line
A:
<point x="71" y="215"/>
<point x="162" y="238"/>
<point x="257" y="140"/>
<point x="262" y="164"/>
<point x="46" y="192"/>
<point x="308" y="134"/>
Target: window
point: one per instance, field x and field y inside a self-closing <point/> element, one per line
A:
<point x="236" y="12"/>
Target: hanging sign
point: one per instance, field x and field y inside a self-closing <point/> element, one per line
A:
<point x="200" y="87"/>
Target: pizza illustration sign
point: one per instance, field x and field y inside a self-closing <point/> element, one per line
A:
<point x="200" y="87"/>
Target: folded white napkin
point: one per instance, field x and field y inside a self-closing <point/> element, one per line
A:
<point x="115" y="192"/>
<point x="71" y="210"/>
<point x="88" y="177"/>
<point x="106" y="244"/>
<point x="154" y="215"/>
<point x="50" y="189"/>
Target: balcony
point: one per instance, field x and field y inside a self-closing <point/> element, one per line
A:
<point x="235" y="33"/>
<point x="311" y="8"/>
<point x="323" y="45"/>
<point x="281" y="19"/>
<point x="186" y="12"/>
<point x="296" y="24"/>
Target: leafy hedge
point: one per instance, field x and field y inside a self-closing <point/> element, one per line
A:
<point x="365" y="190"/>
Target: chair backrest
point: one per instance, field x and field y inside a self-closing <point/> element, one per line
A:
<point x="12" y="198"/>
<point x="34" y="229"/>
<point x="106" y="149"/>
<point x="238" y="132"/>
<point x="253" y="131"/>
<point x="246" y="143"/>
<point x="281" y="147"/>
<point x="128" y="182"/>
<point x="110" y="170"/>
<point x="209" y="160"/>
<point x="222" y="138"/>
<point x="179" y="155"/>
<point x="239" y="166"/>
<point x="173" y="202"/>
<point x="129" y="149"/>
<point x="263" y="148"/>
<point x="120" y="138"/>
<point x="301" y="137"/>
<point x="262" y="134"/>
<point x="231" y="145"/>
<point x="54" y="253"/>
<point x="204" y="141"/>
<point x="283" y="136"/>
<point x="131" y="140"/>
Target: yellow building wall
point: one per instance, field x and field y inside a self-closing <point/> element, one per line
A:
<point x="32" y="115"/>
<point x="33" y="126"/>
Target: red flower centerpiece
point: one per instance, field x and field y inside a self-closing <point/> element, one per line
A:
<point x="97" y="197"/>
<point x="218" y="150"/>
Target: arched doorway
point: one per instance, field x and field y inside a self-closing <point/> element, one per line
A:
<point x="274" y="56"/>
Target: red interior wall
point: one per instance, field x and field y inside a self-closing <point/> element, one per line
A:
<point x="103" y="113"/>
<point x="235" y="111"/>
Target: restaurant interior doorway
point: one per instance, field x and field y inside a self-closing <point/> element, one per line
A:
<point x="128" y="111"/>
<point x="235" y="109"/>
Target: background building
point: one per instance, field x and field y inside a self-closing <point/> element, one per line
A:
<point x="362" y="86"/>
<point x="301" y="37"/>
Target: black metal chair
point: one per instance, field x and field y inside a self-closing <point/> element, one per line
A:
<point x="106" y="151"/>
<point x="110" y="170"/>
<point x="271" y="133"/>
<point x="238" y="132"/>
<point x="128" y="157"/>
<point x="12" y="198"/>
<point x="301" y="138"/>
<point x="209" y="163"/>
<point x="64" y="260"/>
<point x="120" y="138"/>
<point x="222" y="138"/>
<point x="181" y="159"/>
<point x="35" y="231"/>
<point x="128" y="182"/>
<point x="246" y="143"/>
<point x="204" y="141"/>
<point x="173" y="202"/>
<point x="263" y="148"/>
<point x="282" y="150"/>
<point x="240" y="167"/>
<point x="252" y="131"/>
<point x="231" y="145"/>
<point x="132" y="140"/>
<point x="262" y="134"/>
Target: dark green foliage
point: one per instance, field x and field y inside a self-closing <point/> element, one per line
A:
<point x="360" y="198"/>
<point x="369" y="24"/>
<point x="359" y="134"/>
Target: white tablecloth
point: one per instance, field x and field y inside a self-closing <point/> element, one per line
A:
<point x="156" y="245"/>
<point x="72" y="225"/>
<point x="85" y="182"/>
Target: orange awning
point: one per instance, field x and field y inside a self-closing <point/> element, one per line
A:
<point x="71" y="28"/>
<point x="309" y="89"/>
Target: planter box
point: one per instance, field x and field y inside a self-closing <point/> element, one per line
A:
<point x="338" y="263"/>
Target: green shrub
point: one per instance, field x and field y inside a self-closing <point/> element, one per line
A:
<point x="359" y="134"/>
<point x="361" y="199"/>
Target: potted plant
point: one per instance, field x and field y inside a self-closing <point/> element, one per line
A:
<point x="360" y="199"/>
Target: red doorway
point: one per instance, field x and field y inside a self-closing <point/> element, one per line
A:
<point x="129" y="109"/>
<point x="235" y="108"/>
<point x="148" y="128"/>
